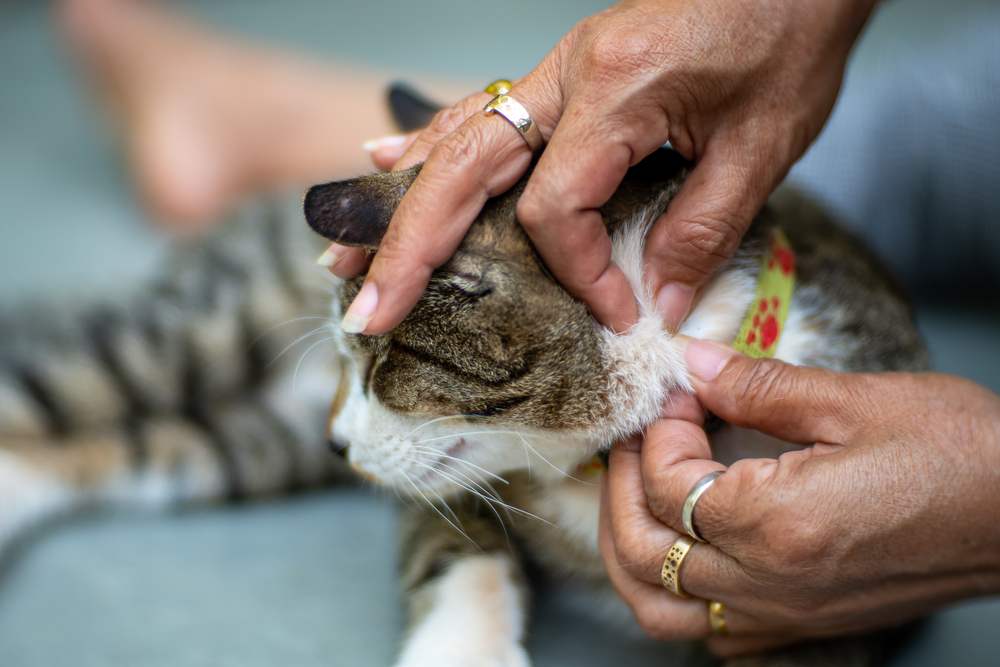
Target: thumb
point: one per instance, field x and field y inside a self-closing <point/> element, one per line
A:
<point x="703" y="226"/>
<point x="793" y="403"/>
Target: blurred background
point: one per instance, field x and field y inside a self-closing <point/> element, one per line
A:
<point x="910" y="159"/>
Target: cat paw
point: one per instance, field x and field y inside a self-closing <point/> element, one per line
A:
<point x="26" y="497"/>
<point x="445" y="655"/>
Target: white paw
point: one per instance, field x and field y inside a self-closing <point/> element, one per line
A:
<point x="26" y="496"/>
<point x="456" y="653"/>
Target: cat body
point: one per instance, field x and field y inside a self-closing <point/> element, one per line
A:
<point x="499" y="386"/>
<point x="481" y="407"/>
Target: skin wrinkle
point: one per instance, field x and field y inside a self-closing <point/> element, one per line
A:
<point x="821" y="572"/>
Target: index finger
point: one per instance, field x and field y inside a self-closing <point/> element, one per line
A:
<point x="482" y="158"/>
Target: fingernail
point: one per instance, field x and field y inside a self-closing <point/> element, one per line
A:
<point x="673" y="302"/>
<point x="331" y="255"/>
<point x="362" y="308"/>
<point x="706" y="359"/>
<point x="390" y="141"/>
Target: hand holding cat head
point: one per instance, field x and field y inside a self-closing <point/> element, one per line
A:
<point x="741" y="91"/>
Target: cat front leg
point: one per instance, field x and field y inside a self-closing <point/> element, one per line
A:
<point x="467" y="603"/>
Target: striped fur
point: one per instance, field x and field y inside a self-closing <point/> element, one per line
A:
<point x="189" y="390"/>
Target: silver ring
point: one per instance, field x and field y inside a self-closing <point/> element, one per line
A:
<point x="515" y="114"/>
<point x="687" y="514"/>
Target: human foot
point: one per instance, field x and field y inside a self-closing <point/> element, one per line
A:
<point x="207" y="119"/>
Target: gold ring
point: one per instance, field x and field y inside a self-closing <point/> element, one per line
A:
<point x="670" y="573"/>
<point x="499" y="87"/>
<point x="717" y="618"/>
<point x="514" y="113"/>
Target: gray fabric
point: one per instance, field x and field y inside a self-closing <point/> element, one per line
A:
<point x="310" y="581"/>
<point x="911" y="156"/>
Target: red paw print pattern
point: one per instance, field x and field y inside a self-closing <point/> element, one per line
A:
<point x="765" y="328"/>
<point x="782" y="257"/>
<point x="765" y="318"/>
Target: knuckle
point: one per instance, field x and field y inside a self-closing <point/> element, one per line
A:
<point x="448" y="119"/>
<point x="627" y="549"/>
<point x="460" y="149"/>
<point x="696" y="245"/>
<point x="617" y="51"/>
<point x="762" y="381"/>
<point x="659" y="507"/>
<point x="530" y="211"/>
<point x="650" y="622"/>
<point x="715" y="235"/>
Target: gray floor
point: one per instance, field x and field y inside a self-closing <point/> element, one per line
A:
<point x="309" y="581"/>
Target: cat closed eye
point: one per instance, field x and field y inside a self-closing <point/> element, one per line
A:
<point x="468" y="284"/>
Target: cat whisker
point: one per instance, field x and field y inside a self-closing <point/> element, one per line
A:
<point x="469" y="481"/>
<point x="439" y="512"/>
<point x="491" y="496"/>
<point x="524" y="443"/>
<point x="563" y="473"/>
<point x="447" y="507"/>
<point x="465" y="434"/>
<point x="286" y="323"/>
<point x="428" y="450"/>
<point x="493" y="492"/>
<point x="467" y="487"/>
<point x="433" y="421"/>
<point x="296" y="342"/>
<point x="295" y="374"/>
<point x="444" y="502"/>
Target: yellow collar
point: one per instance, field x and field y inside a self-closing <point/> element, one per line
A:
<point x="765" y="318"/>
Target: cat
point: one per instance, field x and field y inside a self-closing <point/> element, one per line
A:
<point x="175" y="397"/>
<point x="498" y="375"/>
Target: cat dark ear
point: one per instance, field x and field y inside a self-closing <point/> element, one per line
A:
<point x="410" y="110"/>
<point x="657" y="177"/>
<point x="356" y="212"/>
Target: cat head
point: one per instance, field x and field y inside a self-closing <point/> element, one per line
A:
<point x="497" y="368"/>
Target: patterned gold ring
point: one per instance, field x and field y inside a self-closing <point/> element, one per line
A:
<point x="670" y="573"/>
<point x="514" y="113"/>
<point x="717" y="618"/>
<point x="499" y="87"/>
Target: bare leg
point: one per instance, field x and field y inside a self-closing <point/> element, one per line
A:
<point x="207" y="119"/>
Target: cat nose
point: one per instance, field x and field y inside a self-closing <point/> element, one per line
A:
<point x="338" y="448"/>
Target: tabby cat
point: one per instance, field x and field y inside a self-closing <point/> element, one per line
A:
<point x="480" y="407"/>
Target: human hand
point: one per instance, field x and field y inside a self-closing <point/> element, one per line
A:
<point x="740" y="88"/>
<point x="888" y="513"/>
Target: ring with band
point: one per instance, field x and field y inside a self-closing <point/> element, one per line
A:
<point x="514" y="113"/>
<point x="670" y="572"/>
<point x="499" y="87"/>
<point x="687" y="512"/>
<point x="717" y="618"/>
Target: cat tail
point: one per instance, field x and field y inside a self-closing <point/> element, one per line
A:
<point x="194" y="388"/>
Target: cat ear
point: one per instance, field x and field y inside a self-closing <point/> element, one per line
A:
<point x="410" y="110"/>
<point x="657" y="178"/>
<point x="356" y="212"/>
